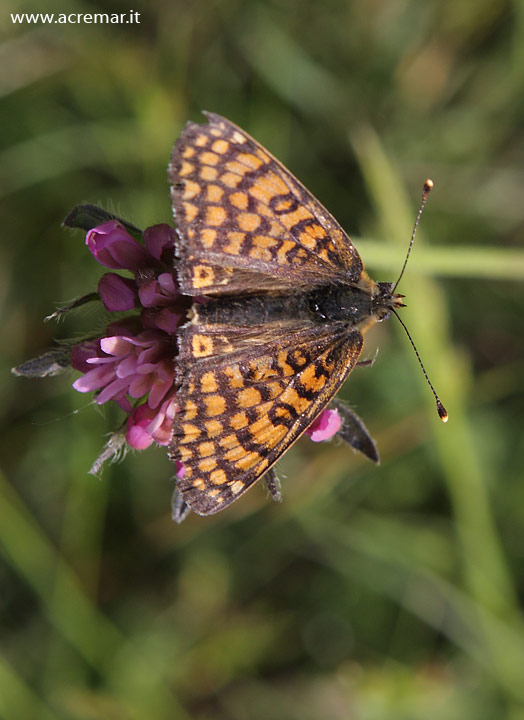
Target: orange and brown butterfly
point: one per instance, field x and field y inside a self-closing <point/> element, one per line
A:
<point x="281" y="305"/>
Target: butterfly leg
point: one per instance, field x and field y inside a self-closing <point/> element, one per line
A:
<point x="273" y="485"/>
<point x="355" y="433"/>
<point x="179" y="508"/>
<point x="369" y="362"/>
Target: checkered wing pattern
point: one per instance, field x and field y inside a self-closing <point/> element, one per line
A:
<point x="245" y="223"/>
<point x="247" y="394"/>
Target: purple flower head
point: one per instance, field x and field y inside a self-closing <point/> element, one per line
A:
<point x="327" y="424"/>
<point x="134" y="360"/>
<point x="114" y="247"/>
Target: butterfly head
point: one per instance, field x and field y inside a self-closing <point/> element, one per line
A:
<point x="384" y="300"/>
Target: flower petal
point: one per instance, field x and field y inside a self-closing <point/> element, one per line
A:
<point x="137" y="434"/>
<point x="327" y="424"/>
<point x="117" y="293"/>
<point x="158" y="391"/>
<point x="95" y="379"/>
<point x="139" y="385"/>
<point x="117" y="345"/>
<point x="138" y="438"/>
<point x="126" y="367"/>
<point x="112" y="390"/>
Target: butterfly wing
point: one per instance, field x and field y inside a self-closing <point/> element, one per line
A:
<point x="245" y="223"/>
<point x="247" y="394"/>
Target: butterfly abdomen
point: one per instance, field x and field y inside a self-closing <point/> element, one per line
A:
<point x="253" y="311"/>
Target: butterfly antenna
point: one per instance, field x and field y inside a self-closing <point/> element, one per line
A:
<point x="428" y="185"/>
<point x="425" y="192"/>
<point x="442" y="412"/>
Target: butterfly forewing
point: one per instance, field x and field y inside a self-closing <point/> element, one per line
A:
<point x="245" y="223"/>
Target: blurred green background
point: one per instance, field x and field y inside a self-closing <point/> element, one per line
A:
<point x="370" y="593"/>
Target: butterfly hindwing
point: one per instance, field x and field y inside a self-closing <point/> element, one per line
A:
<point x="246" y="395"/>
<point x="245" y="223"/>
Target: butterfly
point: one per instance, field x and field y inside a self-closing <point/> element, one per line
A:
<point x="281" y="305"/>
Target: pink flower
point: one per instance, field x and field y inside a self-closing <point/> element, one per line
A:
<point x="327" y="424"/>
<point x="114" y="247"/>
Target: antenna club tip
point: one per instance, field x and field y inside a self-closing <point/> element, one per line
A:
<point x="442" y="412"/>
<point x="428" y="186"/>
